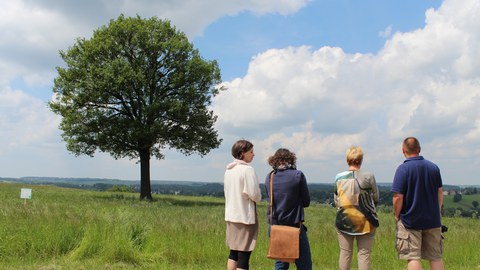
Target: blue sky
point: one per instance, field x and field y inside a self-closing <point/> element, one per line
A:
<point x="355" y="26"/>
<point x="312" y="76"/>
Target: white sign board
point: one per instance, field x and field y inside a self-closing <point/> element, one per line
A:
<point x="26" y="193"/>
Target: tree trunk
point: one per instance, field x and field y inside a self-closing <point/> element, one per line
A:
<point x="145" y="190"/>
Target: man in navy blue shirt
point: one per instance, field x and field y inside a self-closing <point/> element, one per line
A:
<point x="417" y="202"/>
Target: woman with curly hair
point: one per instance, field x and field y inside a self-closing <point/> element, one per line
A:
<point x="291" y="196"/>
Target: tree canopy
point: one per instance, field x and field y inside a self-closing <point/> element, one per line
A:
<point x="136" y="87"/>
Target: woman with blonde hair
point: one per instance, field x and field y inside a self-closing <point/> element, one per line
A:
<point x="356" y="194"/>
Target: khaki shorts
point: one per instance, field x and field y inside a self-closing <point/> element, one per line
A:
<point x="419" y="244"/>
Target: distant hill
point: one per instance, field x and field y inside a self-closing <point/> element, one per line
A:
<point x="319" y="192"/>
<point x="90" y="181"/>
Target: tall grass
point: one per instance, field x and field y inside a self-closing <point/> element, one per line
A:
<point x="77" y="229"/>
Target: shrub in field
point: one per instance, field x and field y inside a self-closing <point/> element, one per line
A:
<point x="122" y="188"/>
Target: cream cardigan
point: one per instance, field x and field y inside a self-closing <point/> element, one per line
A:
<point x="242" y="191"/>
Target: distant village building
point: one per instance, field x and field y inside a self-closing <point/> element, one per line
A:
<point x="451" y="192"/>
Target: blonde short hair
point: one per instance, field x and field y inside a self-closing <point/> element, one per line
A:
<point x="354" y="155"/>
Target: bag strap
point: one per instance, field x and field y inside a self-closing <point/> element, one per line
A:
<point x="271" y="197"/>
<point x="359" y="186"/>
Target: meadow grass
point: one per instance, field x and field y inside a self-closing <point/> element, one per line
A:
<point x="465" y="203"/>
<point x="77" y="229"/>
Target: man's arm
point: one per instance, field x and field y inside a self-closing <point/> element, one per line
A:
<point x="397" y="205"/>
<point x="440" y="197"/>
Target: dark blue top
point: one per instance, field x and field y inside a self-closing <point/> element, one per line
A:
<point x="418" y="180"/>
<point x="290" y="196"/>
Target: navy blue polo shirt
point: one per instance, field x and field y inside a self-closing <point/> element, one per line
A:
<point x="418" y="180"/>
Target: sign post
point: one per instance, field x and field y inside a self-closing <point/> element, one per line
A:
<point x="26" y="193"/>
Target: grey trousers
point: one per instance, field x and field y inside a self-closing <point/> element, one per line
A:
<point x="364" y="249"/>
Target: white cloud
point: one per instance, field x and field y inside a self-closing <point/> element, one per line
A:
<point x="280" y="87"/>
<point x="34" y="31"/>
<point x="24" y="120"/>
<point x="424" y="83"/>
<point x="386" y="33"/>
<point x="192" y="16"/>
<point x="31" y="39"/>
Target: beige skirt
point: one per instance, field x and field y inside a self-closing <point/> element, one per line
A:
<point x="241" y="237"/>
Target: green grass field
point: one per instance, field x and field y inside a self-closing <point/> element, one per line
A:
<point x="465" y="203"/>
<point x="77" y="229"/>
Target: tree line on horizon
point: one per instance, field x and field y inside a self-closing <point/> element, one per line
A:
<point x="321" y="193"/>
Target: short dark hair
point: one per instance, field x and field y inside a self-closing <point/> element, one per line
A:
<point x="241" y="147"/>
<point x="411" y="145"/>
<point x="282" y="156"/>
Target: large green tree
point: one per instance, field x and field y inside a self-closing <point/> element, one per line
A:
<point x="136" y="87"/>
